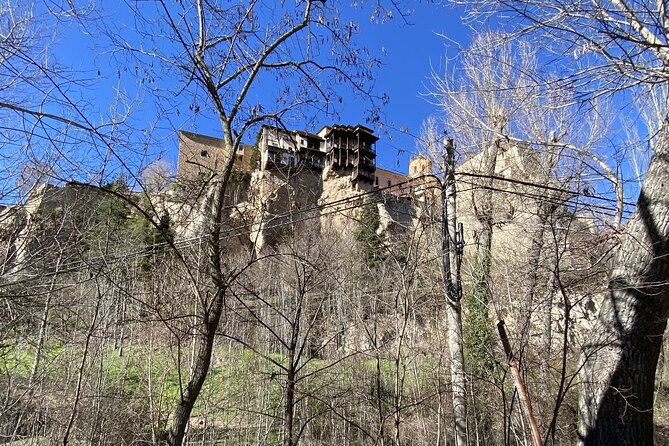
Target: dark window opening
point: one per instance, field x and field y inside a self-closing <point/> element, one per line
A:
<point x="389" y="183"/>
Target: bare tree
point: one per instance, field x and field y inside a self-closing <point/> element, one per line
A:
<point x="515" y="122"/>
<point x="617" y="45"/>
<point x="222" y="53"/>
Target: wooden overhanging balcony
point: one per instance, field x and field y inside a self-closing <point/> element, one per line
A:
<point x="353" y="145"/>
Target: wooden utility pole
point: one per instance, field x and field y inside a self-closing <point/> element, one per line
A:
<point x="451" y="251"/>
<point x="520" y="385"/>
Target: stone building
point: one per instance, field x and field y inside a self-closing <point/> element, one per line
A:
<point x="200" y="156"/>
<point x="393" y="183"/>
<point x="296" y="149"/>
<point x="302" y="178"/>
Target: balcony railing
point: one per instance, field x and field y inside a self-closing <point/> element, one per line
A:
<point x="353" y="146"/>
<point x="364" y="163"/>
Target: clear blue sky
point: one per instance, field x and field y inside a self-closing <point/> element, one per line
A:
<point x="411" y="52"/>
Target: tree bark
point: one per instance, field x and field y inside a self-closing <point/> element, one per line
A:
<point x="211" y="311"/>
<point x="289" y="408"/>
<point x="291" y="378"/>
<point x="616" y="406"/>
<point x="455" y="348"/>
<point x="200" y="371"/>
<point x="484" y="215"/>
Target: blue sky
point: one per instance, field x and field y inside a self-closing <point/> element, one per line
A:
<point x="409" y="54"/>
<point x="413" y="52"/>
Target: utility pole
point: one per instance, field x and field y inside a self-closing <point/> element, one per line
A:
<point x="452" y="244"/>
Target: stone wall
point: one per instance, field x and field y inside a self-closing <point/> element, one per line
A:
<point x="201" y="156"/>
<point x="282" y="202"/>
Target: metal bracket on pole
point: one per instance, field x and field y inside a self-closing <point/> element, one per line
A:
<point x="459" y="250"/>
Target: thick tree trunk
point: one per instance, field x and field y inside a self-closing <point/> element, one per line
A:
<point x="618" y="378"/>
<point x="211" y="311"/>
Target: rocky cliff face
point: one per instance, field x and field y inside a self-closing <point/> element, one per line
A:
<point x="45" y="227"/>
<point x="266" y="206"/>
<point x="282" y="202"/>
<point x="537" y="247"/>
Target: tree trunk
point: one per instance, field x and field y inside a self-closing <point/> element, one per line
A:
<point x="293" y="359"/>
<point x="200" y="371"/>
<point x="535" y="255"/>
<point x="484" y="215"/>
<point x="455" y="348"/>
<point x="616" y="406"/>
<point x="43" y="325"/>
<point x="289" y="408"/>
<point x="210" y="312"/>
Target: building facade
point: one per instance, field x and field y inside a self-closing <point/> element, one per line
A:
<point x="296" y="149"/>
<point x="296" y="174"/>
<point x="351" y="150"/>
<point x="201" y="156"/>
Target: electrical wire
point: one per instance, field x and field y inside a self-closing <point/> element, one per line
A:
<point x="349" y="203"/>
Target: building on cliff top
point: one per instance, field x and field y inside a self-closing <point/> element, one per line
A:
<point x="341" y="150"/>
<point x="351" y="150"/>
<point x="295" y="171"/>
<point x="200" y="156"/>
<point x="296" y="149"/>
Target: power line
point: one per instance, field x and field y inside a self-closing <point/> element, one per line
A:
<point x="541" y="186"/>
<point x="606" y="210"/>
<point x="149" y="250"/>
<point x="358" y="199"/>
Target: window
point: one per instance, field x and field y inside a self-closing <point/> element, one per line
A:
<point x="376" y="181"/>
<point x="389" y="183"/>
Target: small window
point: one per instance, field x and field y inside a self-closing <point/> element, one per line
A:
<point x="389" y="183"/>
<point x="376" y="181"/>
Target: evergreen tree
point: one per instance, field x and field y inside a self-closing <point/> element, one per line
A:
<point x="372" y="244"/>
